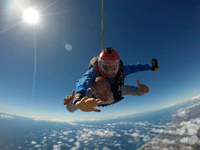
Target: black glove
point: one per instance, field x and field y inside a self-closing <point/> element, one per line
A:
<point x="154" y="64"/>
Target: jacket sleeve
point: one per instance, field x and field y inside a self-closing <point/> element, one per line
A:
<point x="84" y="83"/>
<point x="128" y="69"/>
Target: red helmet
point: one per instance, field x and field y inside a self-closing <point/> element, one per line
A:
<point x="108" y="63"/>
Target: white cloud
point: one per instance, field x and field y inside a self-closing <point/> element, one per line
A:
<point x="145" y="137"/>
<point x="99" y="132"/>
<point x="6" y="116"/>
<point x="77" y="143"/>
<point x="141" y="124"/>
<point x="117" y="123"/>
<point x="68" y="120"/>
<point x="53" y="134"/>
<point x="196" y="97"/>
<point x="192" y="99"/>
<point x="59" y="142"/>
<point x="156" y="147"/>
<point x="65" y="138"/>
<point x="169" y="105"/>
<point x="100" y="142"/>
<point x="56" y="147"/>
<point x="190" y="140"/>
<point x="71" y="140"/>
<point x="159" y="126"/>
<point x="118" y="135"/>
<point x="190" y="128"/>
<point x="197" y="120"/>
<point x="68" y="145"/>
<point x="157" y="130"/>
<point x="180" y="131"/>
<point x="130" y="141"/>
<point x="76" y="147"/>
<point x="33" y="142"/>
<point x="117" y="145"/>
<point x="67" y="132"/>
<point x="186" y="147"/>
<point x="131" y="130"/>
<point x="166" y="141"/>
<point x="187" y="131"/>
<point x="182" y="112"/>
<point x="37" y="146"/>
<point x="137" y="131"/>
<point x="123" y="115"/>
<point x="106" y="148"/>
<point x="123" y="123"/>
<point x="134" y="134"/>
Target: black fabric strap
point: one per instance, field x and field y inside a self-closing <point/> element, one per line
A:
<point x="75" y="101"/>
<point x="78" y="99"/>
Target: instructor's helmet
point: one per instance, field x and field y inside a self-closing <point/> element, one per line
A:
<point x="108" y="63"/>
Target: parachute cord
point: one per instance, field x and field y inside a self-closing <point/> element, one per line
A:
<point x="102" y="26"/>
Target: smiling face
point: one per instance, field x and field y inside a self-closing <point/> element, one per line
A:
<point x="102" y="89"/>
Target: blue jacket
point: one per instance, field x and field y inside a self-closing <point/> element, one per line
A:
<point x="84" y="83"/>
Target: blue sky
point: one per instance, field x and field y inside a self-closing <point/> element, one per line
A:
<point x="138" y="30"/>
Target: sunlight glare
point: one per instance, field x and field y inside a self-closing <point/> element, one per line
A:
<point x="31" y="15"/>
<point x="68" y="47"/>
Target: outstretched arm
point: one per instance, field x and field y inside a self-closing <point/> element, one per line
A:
<point x="128" y="69"/>
<point x="85" y="104"/>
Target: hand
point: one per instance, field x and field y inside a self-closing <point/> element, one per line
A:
<point x="143" y="87"/>
<point x="68" y="99"/>
<point x="86" y="104"/>
<point x="157" y="68"/>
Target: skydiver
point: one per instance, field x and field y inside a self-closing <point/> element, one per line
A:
<point x="103" y="83"/>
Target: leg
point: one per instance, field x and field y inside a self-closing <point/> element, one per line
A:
<point x="131" y="90"/>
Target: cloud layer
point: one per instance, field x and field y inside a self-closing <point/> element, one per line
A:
<point x="184" y="133"/>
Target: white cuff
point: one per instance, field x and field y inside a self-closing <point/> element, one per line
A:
<point x="71" y="108"/>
